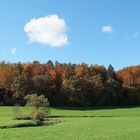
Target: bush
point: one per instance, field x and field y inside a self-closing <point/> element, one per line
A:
<point x="40" y="106"/>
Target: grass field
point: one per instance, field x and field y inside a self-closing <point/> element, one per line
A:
<point x="78" y="124"/>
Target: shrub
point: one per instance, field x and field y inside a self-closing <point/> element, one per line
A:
<point x="40" y="106"/>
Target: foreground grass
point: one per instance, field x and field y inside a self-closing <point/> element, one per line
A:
<point x="78" y="124"/>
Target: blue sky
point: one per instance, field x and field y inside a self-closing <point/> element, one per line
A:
<point x="98" y="31"/>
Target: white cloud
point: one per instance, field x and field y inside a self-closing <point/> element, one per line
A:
<point x="49" y="30"/>
<point x="13" y="51"/>
<point x="107" y="29"/>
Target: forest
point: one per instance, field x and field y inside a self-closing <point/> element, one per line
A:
<point x="69" y="84"/>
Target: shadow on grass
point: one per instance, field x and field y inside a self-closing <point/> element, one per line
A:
<point x="31" y="124"/>
<point x="100" y="116"/>
<point x="95" y="108"/>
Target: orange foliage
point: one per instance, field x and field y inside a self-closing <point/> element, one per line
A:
<point x="35" y="68"/>
<point x="130" y="75"/>
<point x="81" y="70"/>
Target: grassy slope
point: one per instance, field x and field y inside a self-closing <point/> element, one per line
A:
<point x="101" y="124"/>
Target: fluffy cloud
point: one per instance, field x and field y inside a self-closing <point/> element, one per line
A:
<point x="13" y="51"/>
<point x="107" y="29"/>
<point x="49" y="30"/>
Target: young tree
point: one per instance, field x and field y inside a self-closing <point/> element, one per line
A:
<point x="41" y="106"/>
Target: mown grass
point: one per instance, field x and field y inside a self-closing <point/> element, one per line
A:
<point x="78" y="124"/>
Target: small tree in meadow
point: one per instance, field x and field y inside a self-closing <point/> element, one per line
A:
<point x="40" y="106"/>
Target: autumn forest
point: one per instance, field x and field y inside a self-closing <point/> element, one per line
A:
<point x="69" y="84"/>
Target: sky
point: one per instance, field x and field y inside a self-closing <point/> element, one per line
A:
<point x="99" y="32"/>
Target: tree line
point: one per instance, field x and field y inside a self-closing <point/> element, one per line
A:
<point x="69" y="84"/>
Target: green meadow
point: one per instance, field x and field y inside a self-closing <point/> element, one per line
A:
<point x="77" y="124"/>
